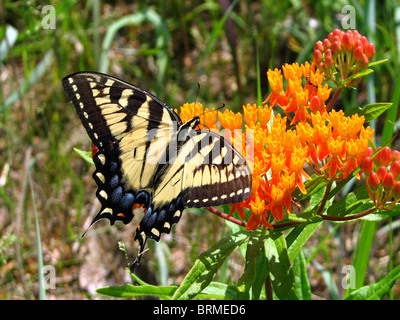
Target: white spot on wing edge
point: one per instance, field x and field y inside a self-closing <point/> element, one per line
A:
<point x="103" y="194"/>
<point x="155" y="232"/>
<point x="100" y="176"/>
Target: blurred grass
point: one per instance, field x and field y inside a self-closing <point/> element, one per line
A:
<point x="165" y="47"/>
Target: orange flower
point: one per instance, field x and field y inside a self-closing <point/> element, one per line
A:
<point x="230" y="120"/>
<point x="259" y="215"/>
<point x="190" y="110"/>
<point x="250" y="115"/>
<point x="210" y="117"/>
<point x="264" y="115"/>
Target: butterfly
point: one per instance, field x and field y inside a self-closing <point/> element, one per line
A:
<point x="147" y="157"/>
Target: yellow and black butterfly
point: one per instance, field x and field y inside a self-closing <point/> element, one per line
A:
<point x="147" y="157"/>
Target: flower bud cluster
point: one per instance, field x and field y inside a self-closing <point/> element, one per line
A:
<point x="342" y="55"/>
<point x="382" y="175"/>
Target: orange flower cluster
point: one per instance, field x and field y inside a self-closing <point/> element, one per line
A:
<point x="278" y="148"/>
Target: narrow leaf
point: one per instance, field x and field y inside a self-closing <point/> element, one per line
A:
<point x="261" y="272"/>
<point x="302" y="285"/>
<point x="378" y="290"/>
<point x="218" y="290"/>
<point x="86" y="155"/>
<point x="129" y="290"/>
<point x="281" y="273"/>
<point x="245" y="283"/>
<point x="298" y="237"/>
<point x="369" y="111"/>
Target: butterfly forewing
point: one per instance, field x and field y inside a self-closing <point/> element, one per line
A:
<point x="147" y="157"/>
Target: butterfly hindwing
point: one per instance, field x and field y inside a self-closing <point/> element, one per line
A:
<point x="147" y="157"/>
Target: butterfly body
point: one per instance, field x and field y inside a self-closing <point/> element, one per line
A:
<point x="147" y="157"/>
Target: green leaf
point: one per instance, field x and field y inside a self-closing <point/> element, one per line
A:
<point x="378" y="290"/>
<point x="254" y="247"/>
<point x="86" y="155"/>
<point x="261" y="272"/>
<point x="302" y="285"/>
<point x="360" y="74"/>
<point x="281" y="273"/>
<point x="207" y="265"/>
<point x="369" y="111"/>
<point x="375" y="63"/>
<point x="298" y="237"/>
<point x="129" y="290"/>
<point x="218" y="290"/>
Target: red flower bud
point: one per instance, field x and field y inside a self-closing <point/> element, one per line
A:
<point x="358" y="43"/>
<point x="356" y="35"/>
<point x="328" y="52"/>
<point x="385" y="156"/>
<point x="326" y="43"/>
<point x="368" y="152"/>
<point x="396" y="190"/>
<point x="367" y="166"/>
<point x="395" y="169"/>
<point x="395" y="155"/>
<point x="381" y="172"/>
<point x="319" y="46"/>
<point x="328" y="62"/>
<point x="364" y="41"/>
<point x="336" y="47"/>
<point x="373" y="181"/>
<point x="347" y="42"/>
<point x="388" y="182"/>
<point x="370" y="51"/>
<point x="338" y="32"/>
<point x="317" y="57"/>
<point x="315" y="104"/>
<point x="358" y="54"/>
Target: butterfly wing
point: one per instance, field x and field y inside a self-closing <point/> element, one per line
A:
<point x="146" y="156"/>
<point x="131" y="128"/>
<point x="205" y="171"/>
